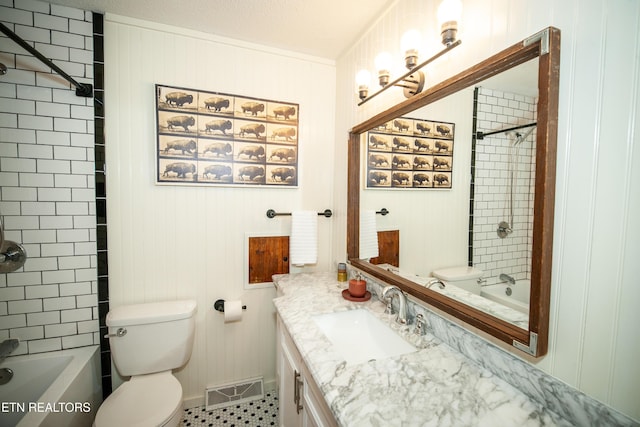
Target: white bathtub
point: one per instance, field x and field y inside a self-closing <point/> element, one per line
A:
<point x="60" y="388"/>
<point x="519" y="298"/>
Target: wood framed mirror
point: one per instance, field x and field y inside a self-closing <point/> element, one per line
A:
<point x="543" y="47"/>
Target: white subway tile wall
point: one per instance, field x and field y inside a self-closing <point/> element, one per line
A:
<point x="47" y="190"/>
<point x="501" y="110"/>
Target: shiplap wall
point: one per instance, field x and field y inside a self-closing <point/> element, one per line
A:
<point x="595" y="291"/>
<point x="169" y="242"/>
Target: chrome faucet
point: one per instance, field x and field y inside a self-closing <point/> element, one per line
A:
<point x="7" y="346"/>
<point x="387" y="296"/>
<point x="506" y="278"/>
<point x="432" y="282"/>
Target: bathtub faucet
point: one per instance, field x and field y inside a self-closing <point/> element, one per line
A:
<point x="507" y="278"/>
<point x="7" y="346"/>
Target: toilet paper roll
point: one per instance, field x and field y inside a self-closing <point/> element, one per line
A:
<point x="232" y="311"/>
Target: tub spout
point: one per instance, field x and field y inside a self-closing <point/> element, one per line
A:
<point x="7" y="346"/>
<point x="507" y="278"/>
<point x="438" y="282"/>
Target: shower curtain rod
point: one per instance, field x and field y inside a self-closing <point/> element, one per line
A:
<point x="82" y="89"/>
<point x="481" y="135"/>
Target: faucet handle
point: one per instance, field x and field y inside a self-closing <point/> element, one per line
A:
<point x="420" y="325"/>
<point x="389" y="309"/>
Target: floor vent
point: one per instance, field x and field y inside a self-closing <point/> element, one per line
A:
<point x="235" y="393"/>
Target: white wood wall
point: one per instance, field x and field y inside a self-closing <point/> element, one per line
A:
<point x="170" y="242"/>
<point x="594" y="342"/>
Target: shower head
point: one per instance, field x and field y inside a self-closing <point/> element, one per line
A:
<point x="520" y="137"/>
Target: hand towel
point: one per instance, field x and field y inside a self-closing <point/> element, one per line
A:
<point x="368" y="235"/>
<point x="303" y="243"/>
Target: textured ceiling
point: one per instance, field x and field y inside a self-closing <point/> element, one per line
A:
<point x="324" y="28"/>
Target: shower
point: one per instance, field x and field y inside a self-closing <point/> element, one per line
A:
<point x="506" y="227"/>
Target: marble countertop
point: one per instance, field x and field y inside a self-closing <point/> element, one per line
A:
<point x="434" y="386"/>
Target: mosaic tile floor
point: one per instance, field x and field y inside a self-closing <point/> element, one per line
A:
<point x="257" y="413"/>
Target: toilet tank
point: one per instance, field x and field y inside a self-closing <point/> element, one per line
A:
<point x="464" y="277"/>
<point x="153" y="337"/>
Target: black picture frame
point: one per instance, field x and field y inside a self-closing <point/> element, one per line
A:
<point x="410" y="153"/>
<point x="221" y="139"/>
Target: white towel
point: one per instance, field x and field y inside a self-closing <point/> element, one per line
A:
<point x="303" y="243"/>
<point x="368" y="235"/>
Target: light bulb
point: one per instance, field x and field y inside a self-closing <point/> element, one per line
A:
<point x="363" y="79"/>
<point x="383" y="65"/>
<point x="449" y="14"/>
<point x="410" y="44"/>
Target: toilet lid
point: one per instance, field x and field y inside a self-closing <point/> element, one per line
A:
<point x="145" y="400"/>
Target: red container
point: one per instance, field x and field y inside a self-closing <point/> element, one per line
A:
<point x="357" y="288"/>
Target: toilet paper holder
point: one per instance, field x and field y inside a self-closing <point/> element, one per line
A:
<point x="219" y="306"/>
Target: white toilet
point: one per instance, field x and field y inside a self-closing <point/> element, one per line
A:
<point x="148" y="341"/>
<point x="464" y="277"/>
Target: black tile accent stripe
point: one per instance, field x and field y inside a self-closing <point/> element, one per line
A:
<point x="101" y="199"/>
<point x="474" y="130"/>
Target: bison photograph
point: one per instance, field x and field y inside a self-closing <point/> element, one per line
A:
<point x="251" y="152"/>
<point x="283" y="175"/>
<point x="251" y="173"/>
<point x="184" y="146"/>
<point x="213" y="138"/>
<point x="180" y="169"/>
<point x="285" y="155"/>
<point x="217" y="172"/>
<point x="378" y="142"/>
<point x="177" y="122"/>
<point x="288" y="134"/>
<point x="255" y="129"/>
<point x="284" y="112"/>
<point x="441" y="180"/>
<point x="218" y="149"/>
<point x="252" y="108"/>
<point x="178" y="98"/>
<point x="216" y="104"/>
<point x="218" y="126"/>
<point x="377" y="178"/>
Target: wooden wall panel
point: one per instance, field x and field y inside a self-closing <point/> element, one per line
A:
<point x="388" y="248"/>
<point x="267" y="256"/>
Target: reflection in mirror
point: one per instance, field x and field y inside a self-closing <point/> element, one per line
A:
<point x="504" y="186"/>
<point x="496" y="214"/>
<point x="458" y="226"/>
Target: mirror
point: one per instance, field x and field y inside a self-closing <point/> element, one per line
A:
<point x="445" y="102"/>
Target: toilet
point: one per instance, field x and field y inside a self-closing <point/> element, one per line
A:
<point x="148" y="341"/>
<point x="463" y="277"/>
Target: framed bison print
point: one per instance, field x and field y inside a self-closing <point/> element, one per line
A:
<point x="213" y="138"/>
<point x="410" y="153"/>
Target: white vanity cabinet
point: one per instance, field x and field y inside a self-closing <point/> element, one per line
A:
<point x="300" y="399"/>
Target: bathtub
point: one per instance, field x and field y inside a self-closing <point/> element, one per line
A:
<point x="60" y="388"/>
<point x="519" y="298"/>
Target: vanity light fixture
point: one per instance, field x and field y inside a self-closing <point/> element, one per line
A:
<point x="449" y="14"/>
<point x="412" y="82"/>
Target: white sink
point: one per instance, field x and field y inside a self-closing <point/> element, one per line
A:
<point x="359" y="336"/>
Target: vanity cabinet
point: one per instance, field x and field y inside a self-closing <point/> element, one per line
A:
<point x="301" y="402"/>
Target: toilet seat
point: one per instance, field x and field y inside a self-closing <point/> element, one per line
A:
<point x="151" y="400"/>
